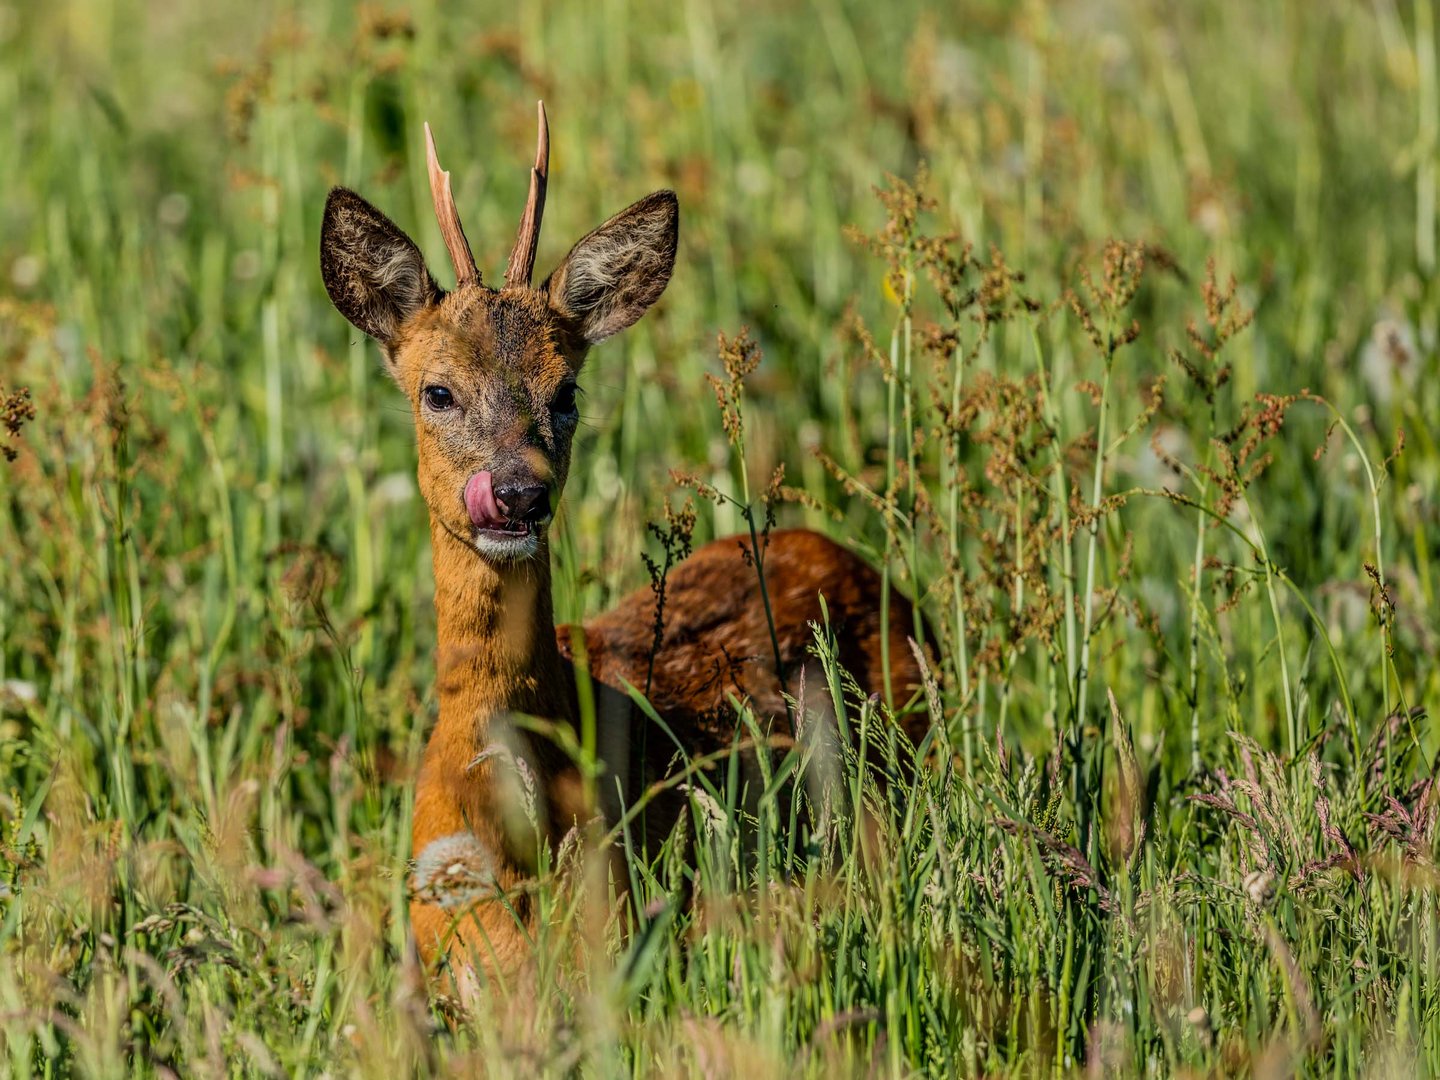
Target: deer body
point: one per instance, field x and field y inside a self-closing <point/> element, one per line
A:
<point x="490" y="375"/>
<point x="716" y="640"/>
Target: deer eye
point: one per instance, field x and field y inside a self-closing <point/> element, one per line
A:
<point x="438" y="398"/>
<point x="564" y="400"/>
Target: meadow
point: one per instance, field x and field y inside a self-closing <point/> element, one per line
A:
<point x="1106" y="327"/>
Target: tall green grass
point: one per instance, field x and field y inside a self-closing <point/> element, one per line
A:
<point x="1178" y="812"/>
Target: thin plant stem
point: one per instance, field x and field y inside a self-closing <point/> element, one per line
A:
<point x="747" y="509"/>
<point x="1196" y="571"/>
<point x="1062" y="500"/>
<point x="1387" y="662"/>
<point x="909" y="392"/>
<point x="1292" y="729"/>
<point x="1018" y="599"/>
<point x="891" y="391"/>
<point x="759" y="557"/>
<point x="1082" y="677"/>
<point x="962" y="663"/>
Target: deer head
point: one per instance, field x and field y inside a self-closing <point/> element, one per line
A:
<point x="491" y="373"/>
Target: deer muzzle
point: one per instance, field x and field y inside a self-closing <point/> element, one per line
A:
<point x="516" y="507"/>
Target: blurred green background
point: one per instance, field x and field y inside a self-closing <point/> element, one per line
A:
<point x="168" y="162"/>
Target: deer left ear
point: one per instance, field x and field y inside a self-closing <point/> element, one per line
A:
<point x="374" y="273"/>
<point x="611" y="277"/>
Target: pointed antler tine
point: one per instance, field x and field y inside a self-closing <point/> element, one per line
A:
<point x="542" y="140"/>
<point x="522" y="257"/>
<point x="448" y="216"/>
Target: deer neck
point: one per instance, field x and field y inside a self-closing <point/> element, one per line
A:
<point x="496" y="656"/>
<point x="496" y="637"/>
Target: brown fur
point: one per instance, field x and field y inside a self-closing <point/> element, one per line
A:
<point x="505" y="356"/>
<point x="716" y="639"/>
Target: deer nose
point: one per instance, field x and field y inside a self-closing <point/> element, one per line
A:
<point x="528" y="504"/>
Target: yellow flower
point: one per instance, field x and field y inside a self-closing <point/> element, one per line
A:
<point x="887" y="286"/>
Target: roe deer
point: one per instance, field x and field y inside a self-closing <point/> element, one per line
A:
<point x="490" y="375"/>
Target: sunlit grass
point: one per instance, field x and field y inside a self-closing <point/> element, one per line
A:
<point x="1179" y="813"/>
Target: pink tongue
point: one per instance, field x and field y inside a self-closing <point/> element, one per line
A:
<point x="480" y="502"/>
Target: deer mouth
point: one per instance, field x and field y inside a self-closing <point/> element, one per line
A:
<point x="509" y="528"/>
<point x="495" y="531"/>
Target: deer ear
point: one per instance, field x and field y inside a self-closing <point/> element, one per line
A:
<point x="374" y="273"/>
<point x="611" y="277"/>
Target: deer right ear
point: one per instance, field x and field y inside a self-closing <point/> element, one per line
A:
<point x="611" y="277"/>
<point x="374" y="273"/>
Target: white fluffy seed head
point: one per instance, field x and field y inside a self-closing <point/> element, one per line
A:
<point x="454" y="871"/>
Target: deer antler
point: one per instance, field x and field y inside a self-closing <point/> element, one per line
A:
<point x="449" y="217"/>
<point x="522" y="256"/>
